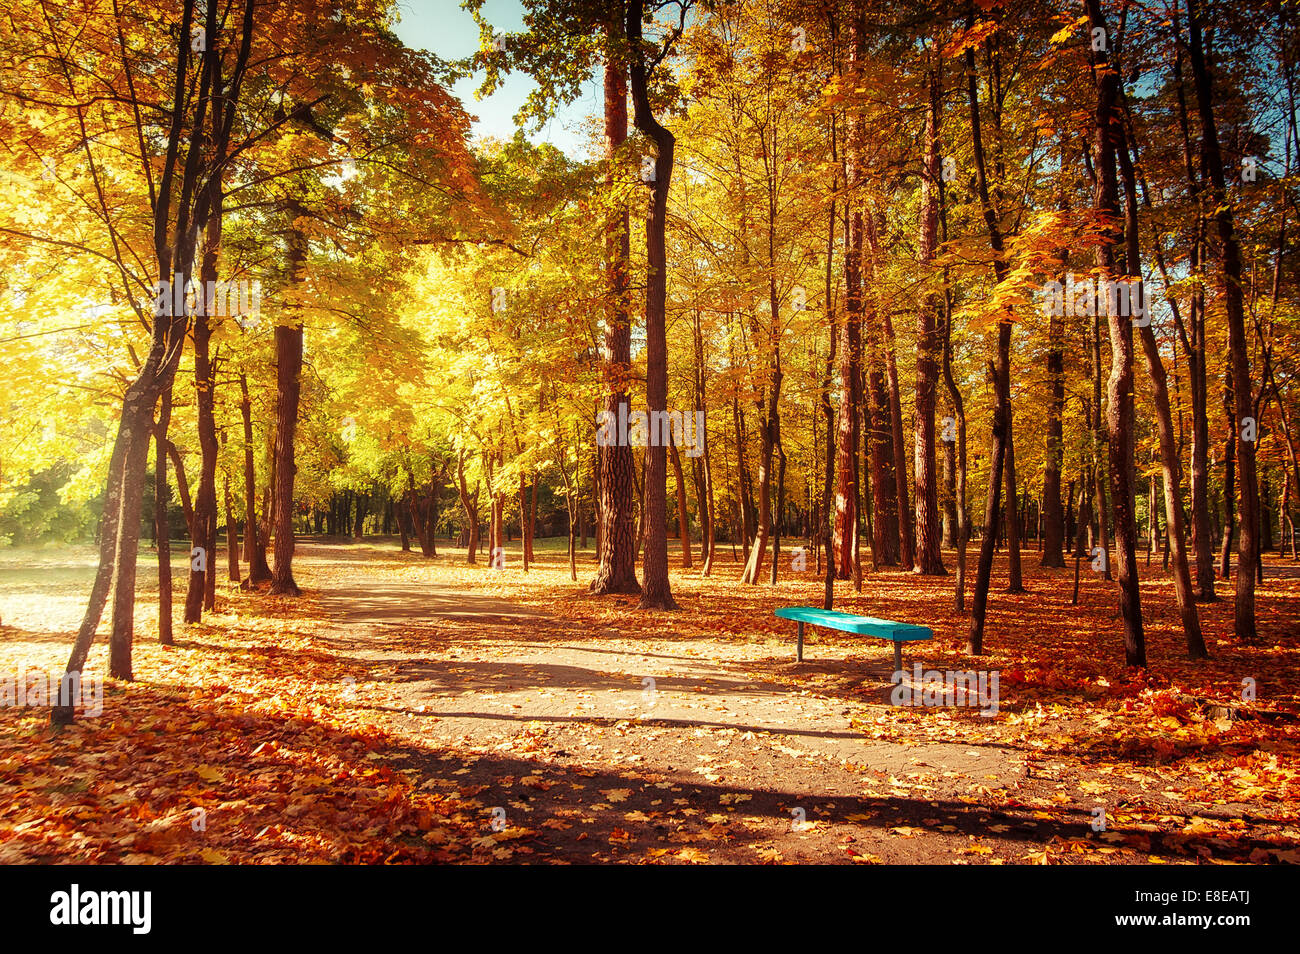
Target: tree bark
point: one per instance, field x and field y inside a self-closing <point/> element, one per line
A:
<point x="1230" y="253"/>
<point x="162" y="529"/>
<point x="203" y="532"/>
<point x="1001" y="374"/>
<point x="254" y="547"/>
<point x="616" y="572"/>
<point x="929" y="558"/>
<point x="1011" y="514"/>
<point x="232" y="533"/>
<point x="1119" y="405"/>
<point x="1170" y="465"/>
<point x="683" y="523"/>
<point x="469" y="502"/>
<point x="288" y="381"/>
<point x="1229" y="482"/>
<point x="907" y="545"/>
<point x="657" y="593"/>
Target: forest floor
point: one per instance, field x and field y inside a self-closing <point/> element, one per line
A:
<point x="410" y="710"/>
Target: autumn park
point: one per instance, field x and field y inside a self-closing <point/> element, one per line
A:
<point x="668" y="432"/>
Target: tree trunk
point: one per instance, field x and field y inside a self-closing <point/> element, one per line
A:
<point x="523" y="521"/>
<point x="847" y="440"/>
<point x="657" y="593"/>
<point x="701" y="467"/>
<point x="683" y="523"/>
<point x="359" y="525"/>
<point x="616" y="572"/>
<point x="1170" y="465"/>
<point x="162" y="529"/>
<point x="470" y="504"/>
<point x="1119" y="405"/>
<point x="254" y="549"/>
<point x="1230" y="252"/>
<point x="907" y="545"/>
<point x="1001" y="374"/>
<point x="400" y="508"/>
<point x="828" y="522"/>
<point x="232" y="533"/>
<point x="1012" y="511"/>
<point x="1053" y="536"/>
<point x="288" y="385"/>
<point x="929" y="558"/>
<point x="1229" y="482"/>
<point x="203" y="539"/>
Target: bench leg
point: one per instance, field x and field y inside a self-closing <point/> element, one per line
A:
<point x="799" y="649"/>
<point x="898" y="656"/>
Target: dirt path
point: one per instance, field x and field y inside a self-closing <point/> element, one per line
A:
<point x="600" y="747"/>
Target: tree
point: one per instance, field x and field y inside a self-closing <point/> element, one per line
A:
<point x="657" y="593"/>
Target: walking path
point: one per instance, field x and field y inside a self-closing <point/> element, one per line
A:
<point x="590" y="736"/>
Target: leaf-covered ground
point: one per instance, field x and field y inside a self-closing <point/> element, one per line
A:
<point x="423" y="711"/>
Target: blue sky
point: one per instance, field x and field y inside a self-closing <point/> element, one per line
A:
<point x="442" y="27"/>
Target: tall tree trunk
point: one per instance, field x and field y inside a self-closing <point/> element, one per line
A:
<point x="288" y="386"/>
<point x="683" y="523"/>
<point x="829" y="518"/>
<point x="1011" y="516"/>
<point x="469" y="502"/>
<point x="532" y="523"/>
<point x="1098" y="477"/>
<point x="1194" y="346"/>
<point x="232" y="533"/>
<point x="182" y="485"/>
<point x="1170" y="465"/>
<point x="617" y="528"/>
<point x="400" y="513"/>
<point x="929" y="559"/>
<point x="162" y="529"/>
<point x="657" y="593"/>
<point x="888" y="465"/>
<point x="767" y="445"/>
<point x="203" y="540"/>
<point x="1001" y="372"/>
<point x="907" y="545"/>
<point x="359" y="524"/>
<point x="431" y="513"/>
<point x="254" y="550"/>
<point x="1229" y="481"/>
<point x="847" y="440"/>
<point x="961" y="512"/>
<point x="1230" y="253"/>
<point x="770" y="401"/>
<point x="701" y="468"/>
<point x="1119" y="404"/>
<point x="1053" y="516"/>
<point x="524" y="519"/>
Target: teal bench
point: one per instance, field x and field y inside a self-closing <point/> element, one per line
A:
<point x="897" y="633"/>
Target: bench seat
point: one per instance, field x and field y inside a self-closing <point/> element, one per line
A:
<point x="897" y="633"/>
